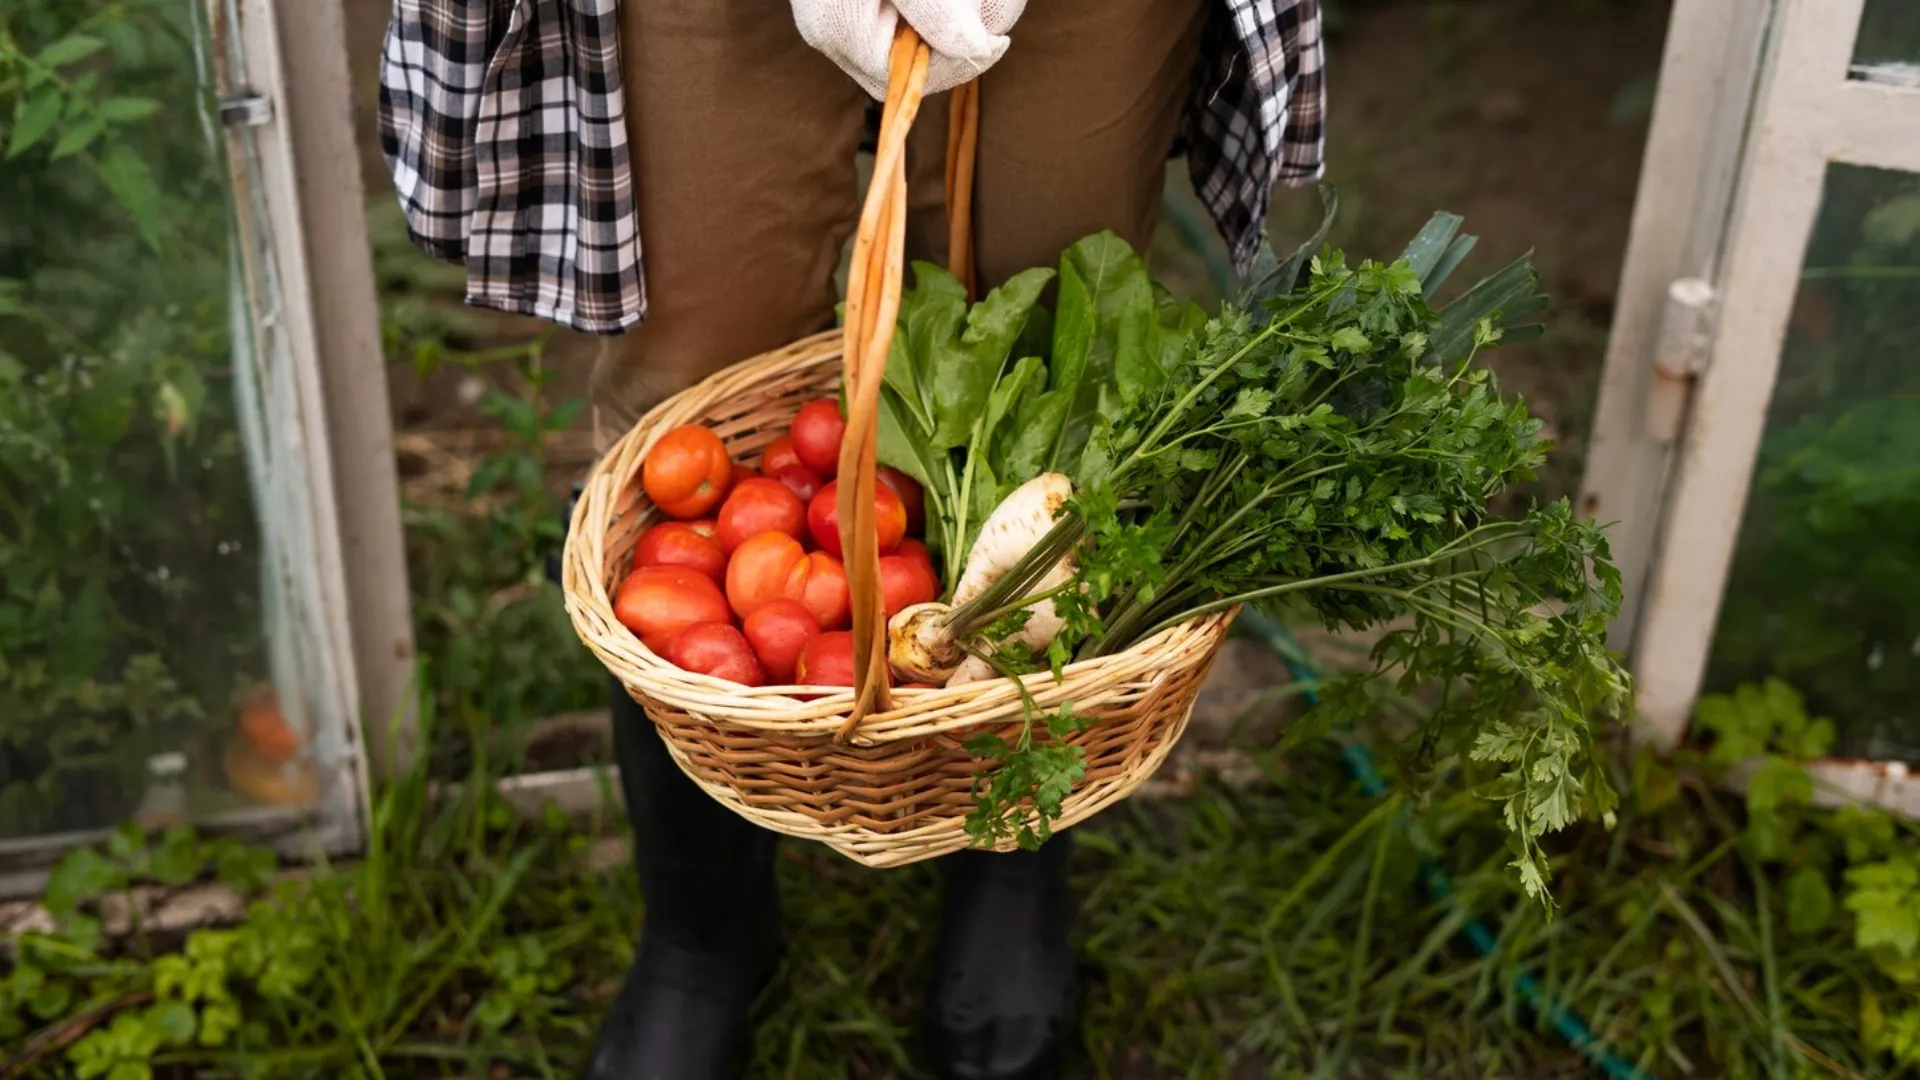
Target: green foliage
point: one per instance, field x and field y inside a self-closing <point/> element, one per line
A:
<point x="1765" y="728"/>
<point x="1756" y="719"/>
<point x="503" y="648"/>
<point x="460" y="923"/>
<point x="1840" y="493"/>
<point x="67" y="103"/>
<point x="1336" y="449"/>
<point x="1821" y="580"/>
<point x="128" y="611"/>
<point x="1280" y="929"/>
<point x="1762" y="734"/>
<point x="528" y="984"/>
<point x="981" y="398"/>
<point x="158" y="1002"/>
<point x="1885" y="900"/>
<point x="1021" y="796"/>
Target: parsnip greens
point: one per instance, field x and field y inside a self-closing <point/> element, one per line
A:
<point x="981" y="399"/>
<point x="1331" y="449"/>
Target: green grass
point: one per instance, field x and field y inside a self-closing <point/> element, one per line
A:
<point x="1283" y="931"/>
<point x="1280" y="930"/>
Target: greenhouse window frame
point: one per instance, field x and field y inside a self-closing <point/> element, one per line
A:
<point x="1681" y="493"/>
<point x="312" y="324"/>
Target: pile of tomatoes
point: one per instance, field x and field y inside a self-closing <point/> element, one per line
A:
<point x="746" y="583"/>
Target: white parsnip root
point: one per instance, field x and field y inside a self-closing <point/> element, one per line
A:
<point x="1017" y="524"/>
<point x="1038" y="633"/>
<point x="920" y="645"/>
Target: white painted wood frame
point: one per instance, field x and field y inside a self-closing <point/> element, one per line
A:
<point x="302" y="516"/>
<point x="1812" y="111"/>
<point x="1688" y="171"/>
<point x="315" y="85"/>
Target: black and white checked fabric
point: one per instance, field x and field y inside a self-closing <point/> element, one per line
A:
<point x="1257" y="115"/>
<point x="504" y="126"/>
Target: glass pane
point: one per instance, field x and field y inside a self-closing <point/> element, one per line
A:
<point x="1825" y="586"/>
<point x="134" y="662"/>
<point x="1890" y="39"/>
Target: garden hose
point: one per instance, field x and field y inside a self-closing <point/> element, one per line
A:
<point x="1564" y="1020"/>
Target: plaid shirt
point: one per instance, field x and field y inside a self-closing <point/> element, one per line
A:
<point x="504" y="126"/>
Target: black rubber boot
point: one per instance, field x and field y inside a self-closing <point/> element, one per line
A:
<point x="711" y="935"/>
<point x="1002" y="1000"/>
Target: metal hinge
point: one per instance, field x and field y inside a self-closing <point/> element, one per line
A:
<point x="245" y="108"/>
<point x="1682" y="353"/>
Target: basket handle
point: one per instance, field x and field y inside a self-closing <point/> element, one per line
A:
<point x="873" y="306"/>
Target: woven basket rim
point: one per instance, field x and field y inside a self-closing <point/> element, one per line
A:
<point x="781" y="710"/>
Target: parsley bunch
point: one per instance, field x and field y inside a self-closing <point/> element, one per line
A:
<point x="1332" y="448"/>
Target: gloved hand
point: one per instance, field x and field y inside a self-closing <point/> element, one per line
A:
<point x="965" y="37"/>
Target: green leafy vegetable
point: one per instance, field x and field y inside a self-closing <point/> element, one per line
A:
<point x="972" y="408"/>
<point x="1332" y="451"/>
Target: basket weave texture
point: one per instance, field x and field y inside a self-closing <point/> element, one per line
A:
<point x="901" y="788"/>
<point x="881" y="776"/>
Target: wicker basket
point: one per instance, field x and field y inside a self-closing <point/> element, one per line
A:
<point x="882" y="776"/>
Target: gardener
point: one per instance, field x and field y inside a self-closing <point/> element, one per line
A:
<point x="537" y="142"/>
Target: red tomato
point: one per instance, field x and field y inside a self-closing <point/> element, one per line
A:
<point x="741" y="473"/>
<point x="918" y="550"/>
<point x="820" y="582"/>
<point x="890" y="517"/>
<point x="914" y="499"/>
<point x="779" y="455"/>
<point x="827" y="660"/>
<point x="716" y="649"/>
<point x="823" y="518"/>
<point x="904" y="582"/>
<point x="758" y="570"/>
<point x="687" y="472"/>
<point x="817" y="432"/>
<point x="760" y="505"/>
<point x="778" y="630"/>
<point x="918" y="686"/>
<point x="706" y="527"/>
<point x="657" y="602"/>
<point x="800" y="480"/>
<point x="675" y="543"/>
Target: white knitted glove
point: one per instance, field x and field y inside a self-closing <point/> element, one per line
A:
<point x="965" y="37"/>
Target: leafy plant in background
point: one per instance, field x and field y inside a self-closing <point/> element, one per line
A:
<point x="1825" y="577"/>
<point x="151" y="1000"/>
<point x="497" y="632"/>
<point x="496" y="629"/>
<point x="343" y="971"/>
<point x="127" y="607"/>
<point x="1764" y="731"/>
